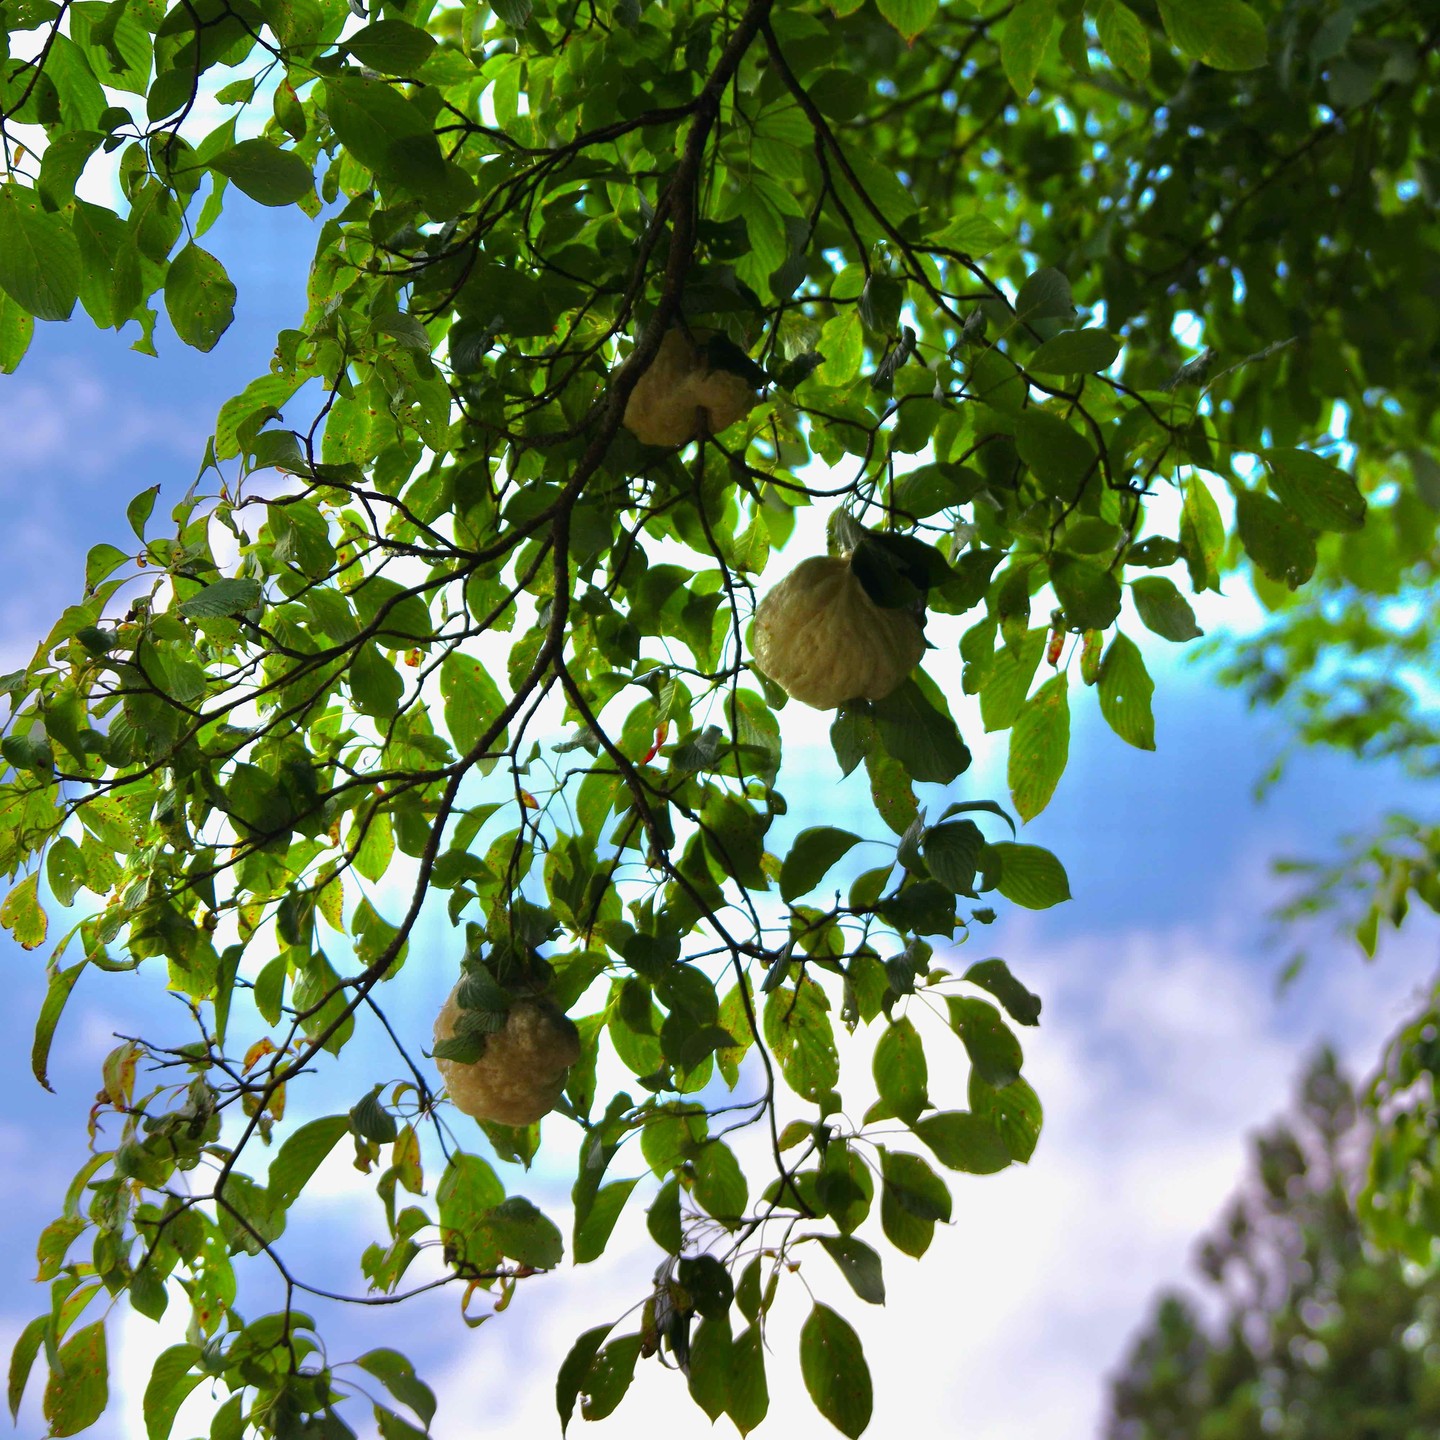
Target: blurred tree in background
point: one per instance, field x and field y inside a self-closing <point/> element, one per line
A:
<point x="1304" y="1330"/>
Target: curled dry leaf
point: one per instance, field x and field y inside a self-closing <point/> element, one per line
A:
<point x="824" y="641"/>
<point x="680" y="395"/>
<point x="522" y="1072"/>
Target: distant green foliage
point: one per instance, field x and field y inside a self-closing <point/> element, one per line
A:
<point x="1307" y="1333"/>
<point x="433" y="634"/>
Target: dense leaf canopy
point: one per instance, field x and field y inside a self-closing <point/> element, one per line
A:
<point x="1026" y="307"/>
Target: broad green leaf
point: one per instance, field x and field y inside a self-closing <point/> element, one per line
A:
<point x="175" y="1374"/>
<point x="749" y="1399"/>
<point x="1089" y="593"/>
<point x="1023" y="38"/>
<point x="593" y="1235"/>
<point x="900" y="1071"/>
<point x="1013" y="1111"/>
<point x="391" y="47"/>
<point x="1225" y="34"/>
<point x="521" y="1232"/>
<point x="1125" y="38"/>
<point x="989" y="1042"/>
<point x="912" y="1199"/>
<point x="859" y="1264"/>
<point x="836" y="1376"/>
<point x="22" y="914"/>
<point x="609" y="1378"/>
<point x="22" y="1361"/>
<point x="1202" y="535"/>
<point x="810" y="858"/>
<point x="231" y="596"/>
<point x="909" y="17"/>
<point x="79" y="1385"/>
<point x="994" y="976"/>
<point x="301" y="1156"/>
<point x="1279" y="543"/>
<point x="1323" y="495"/>
<point x="395" y="1372"/>
<point x="575" y="1370"/>
<point x="711" y="1351"/>
<point x="57" y="992"/>
<point x="17" y="329"/>
<point x="265" y="172"/>
<point x="922" y="738"/>
<point x="1056" y="452"/>
<point x="1008" y="683"/>
<point x="1075" y="352"/>
<point x="952" y="854"/>
<point x="842" y="343"/>
<point x="798" y="1031"/>
<point x="1164" y="609"/>
<point x="962" y="1141"/>
<point x="1030" y="876"/>
<point x="39" y="255"/>
<point x="199" y="297"/>
<point x="384" y="131"/>
<point x="1125" y="689"/>
<point x="472" y="701"/>
<point x="1040" y="747"/>
<point x="1045" y="293"/>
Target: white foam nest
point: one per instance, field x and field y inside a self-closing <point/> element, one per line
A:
<point x="522" y="1073"/>
<point x="679" y="395"/>
<point x="824" y="641"/>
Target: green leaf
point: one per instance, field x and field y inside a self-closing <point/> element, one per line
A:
<point x="301" y="1156"/>
<point x="912" y="1198"/>
<point x="962" y="1141"/>
<point x="1323" y="495"/>
<point x="79" y="1385"/>
<point x="994" y="975"/>
<point x="1075" y="352"/>
<point x="1059" y="456"/>
<point x="57" y="992"/>
<point x="797" y="1029"/>
<point x="1045" y="293"/>
<point x="174" y="1375"/>
<point x="593" y="1234"/>
<point x="1125" y="39"/>
<point x="1040" y="747"/>
<point x="524" y="1234"/>
<point x="1023" y="38"/>
<point x="391" y="47"/>
<point x="1225" y="34"/>
<point x="909" y="17"/>
<point x="22" y="1360"/>
<point x="1202" y="536"/>
<point x="900" y="1070"/>
<point x="832" y="1363"/>
<point x="815" y="850"/>
<point x="1089" y="594"/>
<point x="1030" y="876"/>
<point x="232" y="596"/>
<point x="842" y="343"/>
<point x="384" y="131"/>
<point x="920" y="736"/>
<point x="1125" y="689"/>
<point x="473" y="701"/>
<point x="22" y="914"/>
<point x="711" y="1349"/>
<point x="1013" y="1111"/>
<point x="1164" y="609"/>
<point x="1279" y="543"/>
<point x="265" y="172"/>
<point x="395" y="1372"/>
<point x="1008" y="683"/>
<point x="39" y="255"/>
<point x="749" y="1400"/>
<point x="610" y="1375"/>
<point x="952" y="853"/>
<point x="859" y="1264"/>
<point x="17" y="329"/>
<point x="989" y="1042"/>
<point x="199" y="297"/>
<point x="575" y="1370"/>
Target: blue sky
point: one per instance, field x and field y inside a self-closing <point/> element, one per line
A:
<point x="1162" y="1040"/>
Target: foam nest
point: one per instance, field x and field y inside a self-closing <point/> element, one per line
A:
<point x="522" y="1073"/>
<point x="680" y="395"/>
<point x="824" y="641"/>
